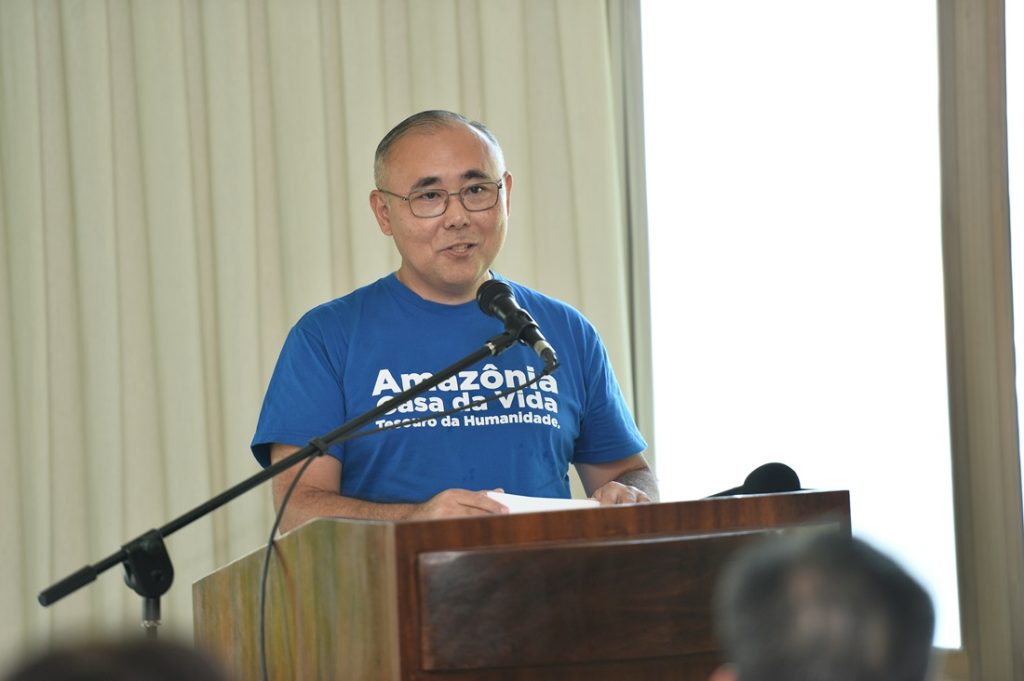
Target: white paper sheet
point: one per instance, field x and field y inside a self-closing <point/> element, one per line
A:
<point x="519" y="504"/>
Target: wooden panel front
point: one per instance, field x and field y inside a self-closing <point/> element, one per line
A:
<point x="570" y="602"/>
<point x="604" y="524"/>
<point x="331" y="611"/>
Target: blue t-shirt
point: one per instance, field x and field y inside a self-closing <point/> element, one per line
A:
<point x="345" y="357"/>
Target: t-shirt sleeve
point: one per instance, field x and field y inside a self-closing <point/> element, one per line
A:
<point x="305" y="398"/>
<point x="608" y="431"/>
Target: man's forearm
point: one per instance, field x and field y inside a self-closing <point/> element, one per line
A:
<point x="311" y="502"/>
<point x="306" y="504"/>
<point x="643" y="479"/>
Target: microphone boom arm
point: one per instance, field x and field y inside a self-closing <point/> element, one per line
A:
<point x="148" y="569"/>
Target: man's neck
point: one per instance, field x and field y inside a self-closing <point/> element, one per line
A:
<point x="454" y="296"/>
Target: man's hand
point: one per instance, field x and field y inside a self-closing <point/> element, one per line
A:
<point x="615" y="492"/>
<point x="453" y="503"/>
<point x="626" y="481"/>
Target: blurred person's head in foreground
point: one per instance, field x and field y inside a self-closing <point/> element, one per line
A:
<point x="119" y="660"/>
<point x="821" y="607"/>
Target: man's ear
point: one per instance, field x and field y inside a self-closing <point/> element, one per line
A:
<point x="507" y="183"/>
<point x="725" y="672"/>
<point x="381" y="210"/>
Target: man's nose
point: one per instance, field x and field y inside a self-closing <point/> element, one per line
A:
<point x="455" y="214"/>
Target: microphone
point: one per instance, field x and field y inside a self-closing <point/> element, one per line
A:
<point x="767" y="478"/>
<point x="496" y="300"/>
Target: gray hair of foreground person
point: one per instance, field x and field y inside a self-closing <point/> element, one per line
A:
<point x="821" y="607"/>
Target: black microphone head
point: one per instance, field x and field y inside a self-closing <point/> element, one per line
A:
<point x="772" y="477"/>
<point x="496" y="299"/>
<point x="489" y="293"/>
<point x="768" y="478"/>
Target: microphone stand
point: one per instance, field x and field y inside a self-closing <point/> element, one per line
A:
<point x="147" y="566"/>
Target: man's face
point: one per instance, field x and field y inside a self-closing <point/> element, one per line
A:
<point x="444" y="258"/>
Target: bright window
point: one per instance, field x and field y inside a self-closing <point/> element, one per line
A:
<point x="1015" y="132"/>
<point x="795" y="237"/>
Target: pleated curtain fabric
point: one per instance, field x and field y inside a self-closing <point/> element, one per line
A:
<point x="179" y="181"/>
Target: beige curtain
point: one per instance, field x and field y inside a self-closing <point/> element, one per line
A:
<point x="179" y="181"/>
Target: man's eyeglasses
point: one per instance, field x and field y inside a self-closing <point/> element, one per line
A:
<point x="430" y="203"/>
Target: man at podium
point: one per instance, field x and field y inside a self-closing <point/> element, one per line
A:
<point x="443" y="195"/>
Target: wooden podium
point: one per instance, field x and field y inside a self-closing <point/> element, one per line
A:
<point x="602" y="593"/>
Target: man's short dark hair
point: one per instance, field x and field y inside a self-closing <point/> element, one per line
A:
<point x="433" y="119"/>
<point x="823" y="607"/>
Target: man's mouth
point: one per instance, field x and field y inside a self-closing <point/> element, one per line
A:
<point x="460" y="248"/>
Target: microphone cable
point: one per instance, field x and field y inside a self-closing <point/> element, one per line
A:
<point x="265" y="570"/>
